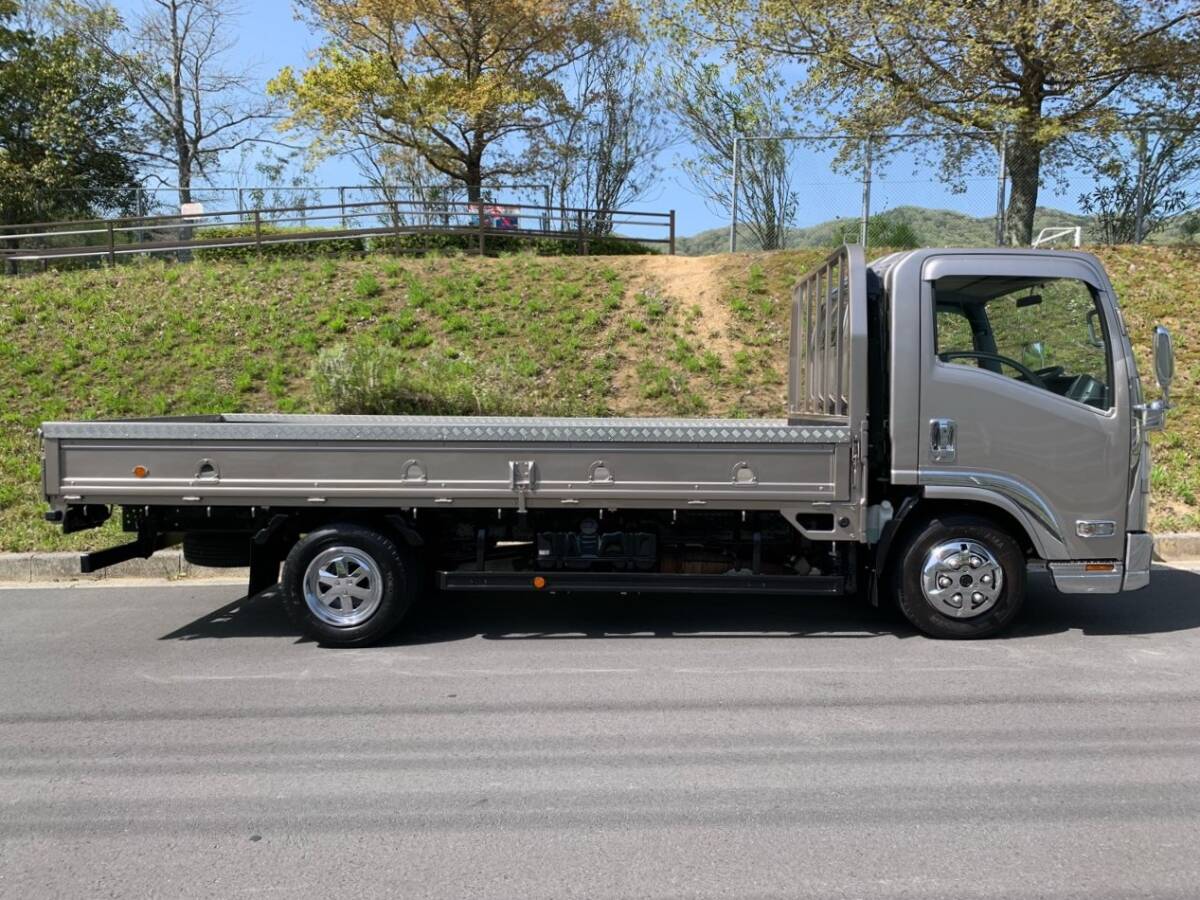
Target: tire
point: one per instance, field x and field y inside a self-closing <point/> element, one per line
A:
<point x="345" y="585"/>
<point x="217" y="549"/>
<point x="960" y="576"/>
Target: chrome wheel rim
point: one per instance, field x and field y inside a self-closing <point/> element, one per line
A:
<point x="961" y="578"/>
<point x="343" y="586"/>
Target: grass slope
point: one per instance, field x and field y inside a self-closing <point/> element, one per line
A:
<point x="518" y="334"/>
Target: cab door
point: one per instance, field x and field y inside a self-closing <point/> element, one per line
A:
<point x="1023" y="397"/>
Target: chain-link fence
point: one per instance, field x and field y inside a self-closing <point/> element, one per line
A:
<point x="970" y="189"/>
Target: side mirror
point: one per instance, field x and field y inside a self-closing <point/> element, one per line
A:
<point x="1164" y="359"/>
<point x="1154" y="414"/>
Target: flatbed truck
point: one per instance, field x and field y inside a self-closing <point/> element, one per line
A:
<point x="955" y="418"/>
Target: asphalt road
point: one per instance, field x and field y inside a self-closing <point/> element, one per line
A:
<point x="162" y="741"/>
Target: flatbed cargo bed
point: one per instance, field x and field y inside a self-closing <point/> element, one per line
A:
<point x="414" y="461"/>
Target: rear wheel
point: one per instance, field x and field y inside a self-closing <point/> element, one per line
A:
<point x="960" y="576"/>
<point x="347" y="585"/>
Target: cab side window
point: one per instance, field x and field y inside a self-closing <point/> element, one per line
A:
<point x="1049" y="334"/>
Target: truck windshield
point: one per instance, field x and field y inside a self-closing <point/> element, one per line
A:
<point x="1049" y="335"/>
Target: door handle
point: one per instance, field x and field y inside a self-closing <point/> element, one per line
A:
<point x="941" y="440"/>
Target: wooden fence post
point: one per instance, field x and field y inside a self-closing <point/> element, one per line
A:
<point x="672" y="237"/>
<point x="479" y="211"/>
<point x="258" y="231"/>
<point x="112" y="245"/>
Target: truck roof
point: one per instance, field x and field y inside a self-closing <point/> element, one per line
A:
<point x="882" y="264"/>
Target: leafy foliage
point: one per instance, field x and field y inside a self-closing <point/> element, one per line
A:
<point x="1036" y="70"/>
<point x="713" y="114"/>
<point x="453" y="80"/>
<point x="172" y="55"/>
<point x="1155" y="172"/>
<point x="64" y="129"/>
<point x="602" y="150"/>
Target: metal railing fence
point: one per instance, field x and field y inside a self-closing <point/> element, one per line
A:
<point x="378" y="224"/>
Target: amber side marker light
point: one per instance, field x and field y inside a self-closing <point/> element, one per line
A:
<point x="1100" y="567"/>
<point x="140" y="471"/>
<point x="539" y="582"/>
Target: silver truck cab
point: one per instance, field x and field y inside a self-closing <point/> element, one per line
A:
<point x="1013" y="383"/>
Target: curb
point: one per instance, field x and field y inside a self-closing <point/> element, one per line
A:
<point x="1183" y="545"/>
<point x="169" y="565"/>
<point x="165" y="565"/>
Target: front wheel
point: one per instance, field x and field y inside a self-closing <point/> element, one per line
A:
<point x="348" y="586"/>
<point x="960" y="576"/>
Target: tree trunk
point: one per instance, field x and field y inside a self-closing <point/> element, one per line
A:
<point x="1024" y="172"/>
<point x="183" y="160"/>
<point x="474" y="187"/>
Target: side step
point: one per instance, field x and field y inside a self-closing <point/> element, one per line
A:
<point x="642" y="583"/>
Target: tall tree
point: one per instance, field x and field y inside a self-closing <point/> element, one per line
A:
<point x="712" y="113"/>
<point x="1150" y="174"/>
<point x="174" y="56"/>
<point x="64" y="130"/>
<point x="462" y="83"/>
<point x="1037" y="69"/>
<point x="604" y="150"/>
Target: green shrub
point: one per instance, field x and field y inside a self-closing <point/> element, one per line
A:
<point x="496" y="244"/>
<point x="290" y="249"/>
<point x="368" y="286"/>
<point x="368" y="379"/>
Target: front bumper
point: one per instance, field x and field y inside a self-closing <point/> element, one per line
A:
<point x="1139" y="553"/>
<point x="1104" y="576"/>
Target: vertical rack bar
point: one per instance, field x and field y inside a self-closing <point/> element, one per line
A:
<point x="796" y="358"/>
<point x="840" y="337"/>
<point x="810" y="380"/>
<point x="847" y="334"/>
<point x="831" y="302"/>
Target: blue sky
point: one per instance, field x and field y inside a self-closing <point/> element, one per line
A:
<point x="270" y="37"/>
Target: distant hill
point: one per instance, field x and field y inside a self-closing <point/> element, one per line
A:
<point x="933" y="228"/>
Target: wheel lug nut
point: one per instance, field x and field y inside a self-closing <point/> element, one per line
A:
<point x="943" y="581"/>
<point x="986" y="579"/>
<point x="977" y="597"/>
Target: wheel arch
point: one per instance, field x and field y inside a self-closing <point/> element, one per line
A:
<point x="915" y="510"/>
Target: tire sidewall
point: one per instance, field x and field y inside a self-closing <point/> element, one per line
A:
<point x="397" y="584"/>
<point x="923" y="615"/>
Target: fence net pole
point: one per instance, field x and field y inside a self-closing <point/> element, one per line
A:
<point x="866" y="193"/>
<point x="1139" y="220"/>
<point x="1001" y="184"/>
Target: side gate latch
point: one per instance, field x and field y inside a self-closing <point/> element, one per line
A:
<point x="522" y="475"/>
